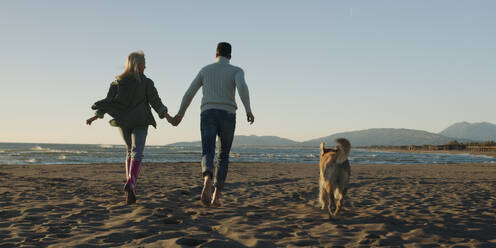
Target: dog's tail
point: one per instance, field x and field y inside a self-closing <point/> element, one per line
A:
<point x="343" y="150"/>
<point x="322" y="148"/>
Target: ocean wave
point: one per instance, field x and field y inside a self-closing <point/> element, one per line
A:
<point x="62" y="157"/>
<point x="105" y="146"/>
<point x="484" y="156"/>
<point x="49" y="150"/>
<point x="174" y="147"/>
<point x="31" y="160"/>
<point x="39" y="148"/>
<point x="288" y="155"/>
<point x="155" y="147"/>
<point x="267" y="155"/>
<point x="182" y="153"/>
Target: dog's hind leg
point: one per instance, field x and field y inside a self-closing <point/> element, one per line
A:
<point x="330" y="203"/>
<point x="339" y="201"/>
<point x="322" y="195"/>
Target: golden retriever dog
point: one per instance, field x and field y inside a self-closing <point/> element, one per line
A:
<point x="334" y="175"/>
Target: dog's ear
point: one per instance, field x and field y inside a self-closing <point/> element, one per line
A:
<point x="322" y="148"/>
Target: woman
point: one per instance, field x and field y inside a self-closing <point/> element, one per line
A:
<point x="128" y="102"/>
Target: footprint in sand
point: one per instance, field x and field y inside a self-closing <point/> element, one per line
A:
<point x="305" y="243"/>
<point x="7" y="214"/>
<point x="173" y="221"/>
<point x="187" y="241"/>
<point x="221" y="244"/>
<point x="369" y="239"/>
<point x="162" y="212"/>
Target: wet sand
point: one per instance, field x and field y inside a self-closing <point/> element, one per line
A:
<point x="265" y="205"/>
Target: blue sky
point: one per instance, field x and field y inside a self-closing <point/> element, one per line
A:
<point x="313" y="68"/>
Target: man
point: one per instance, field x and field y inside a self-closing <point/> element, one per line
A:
<point x="218" y="117"/>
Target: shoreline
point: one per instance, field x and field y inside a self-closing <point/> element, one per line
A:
<point x="376" y="149"/>
<point x="264" y="205"/>
<point x="492" y="155"/>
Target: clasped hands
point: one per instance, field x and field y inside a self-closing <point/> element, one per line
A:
<point x="174" y="121"/>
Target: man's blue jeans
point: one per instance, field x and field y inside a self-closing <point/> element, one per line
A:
<point x="216" y="122"/>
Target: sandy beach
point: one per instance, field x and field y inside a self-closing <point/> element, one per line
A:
<point x="265" y="205"/>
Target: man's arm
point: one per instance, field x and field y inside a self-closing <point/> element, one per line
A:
<point x="244" y="94"/>
<point x="190" y="93"/>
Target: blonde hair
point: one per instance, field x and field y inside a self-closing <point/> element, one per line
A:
<point x="133" y="62"/>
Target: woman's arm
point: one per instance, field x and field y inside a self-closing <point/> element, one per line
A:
<point x="92" y="119"/>
<point x="99" y="113"/>
<point x="155" y="101"/>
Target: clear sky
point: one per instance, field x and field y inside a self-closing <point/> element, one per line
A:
<point x="314" y="68"/>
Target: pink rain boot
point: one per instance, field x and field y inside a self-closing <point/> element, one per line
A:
<point x="131" y="182"/>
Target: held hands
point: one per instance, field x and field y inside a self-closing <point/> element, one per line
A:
<point x="167" y="116"/>
<point x="176" y="120"/>
<point x="90" y="120"/>
<point x="172" y="120"/>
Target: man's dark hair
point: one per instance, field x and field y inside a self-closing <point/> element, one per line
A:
<point x="224" y="49"/>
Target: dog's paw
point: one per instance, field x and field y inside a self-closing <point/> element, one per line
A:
<point x="330" y="217"/>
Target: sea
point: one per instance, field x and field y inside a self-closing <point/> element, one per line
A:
<point x="39" y="154"/>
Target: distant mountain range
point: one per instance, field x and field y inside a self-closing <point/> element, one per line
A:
<point x="462" y="132"/>
<point x="482" y="131"/>
<point x="385" y="137"/>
